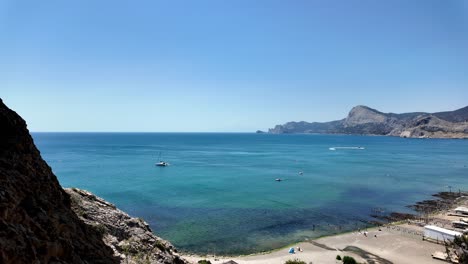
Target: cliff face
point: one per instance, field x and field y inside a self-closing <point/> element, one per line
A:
<point x="432" y="127"/>
<point x="305" y="127"/>
<point x="367" y="121"/>
<point x="363" y="115"/>
<point x="130" y="238"/>
<point x="37" y="223"/>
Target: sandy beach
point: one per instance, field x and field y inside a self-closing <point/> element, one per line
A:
<point x="395" y="243"/>
<point x="390" y="246"/>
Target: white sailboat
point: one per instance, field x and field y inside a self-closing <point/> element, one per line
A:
<point x="161" y="163"/>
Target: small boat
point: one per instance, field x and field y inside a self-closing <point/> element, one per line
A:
<point x="301" y="173"/>
<point x="162" y="164"/>
<point x="278" y="180"/>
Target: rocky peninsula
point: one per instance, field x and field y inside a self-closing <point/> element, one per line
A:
<point x="363" y="120"/>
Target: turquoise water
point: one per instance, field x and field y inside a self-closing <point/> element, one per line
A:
<point x="220" y="195"/>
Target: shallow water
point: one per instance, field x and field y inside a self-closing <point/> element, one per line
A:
<point x="220" y="195"/>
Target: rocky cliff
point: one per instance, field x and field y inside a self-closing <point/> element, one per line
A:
<point x="38" y="225"/>
<point x="130" y="238"/>
<point x="364" y="120"/>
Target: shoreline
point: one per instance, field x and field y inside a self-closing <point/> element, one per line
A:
<point x="364" y="135"/>
<point x="293" y="244"/>
<point x="316" y="249"/>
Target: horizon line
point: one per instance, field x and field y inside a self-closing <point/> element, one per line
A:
<point x="161" y="132"/>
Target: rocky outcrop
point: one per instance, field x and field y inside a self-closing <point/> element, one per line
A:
<point x="130" y="238"/>
<point x="37" y="223"/>
<point x="305" y="127"/>
<point x="430" y="126"/>
<point x="360" y="115"/>
<point x="364" y="120"/>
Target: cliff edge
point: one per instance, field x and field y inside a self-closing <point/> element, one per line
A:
<point x="37" y="223"/>
<point x="130" y="238"/>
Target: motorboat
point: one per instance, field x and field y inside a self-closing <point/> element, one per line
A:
<point x="162" y="164"/>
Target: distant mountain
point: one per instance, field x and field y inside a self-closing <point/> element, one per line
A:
<point x="460" y="115"/>
<point x="364" y="120"/>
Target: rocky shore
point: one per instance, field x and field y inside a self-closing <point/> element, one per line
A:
<point x="131" y="239"/>
<point x="423" y="210"/>
<point x="42" y="223"/>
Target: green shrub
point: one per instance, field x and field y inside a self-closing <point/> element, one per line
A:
<point x="458" y="248"/>
<point x="204" y="261"/>
<point x="349" y="260"/>
<point x="142" y="258"/>
<point x="161" y="246"/>
<point x="100" y="228"/>
<point x="295" y="261"/>
<point x="338" y="257"/>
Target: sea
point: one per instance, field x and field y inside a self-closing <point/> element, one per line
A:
<point x="220" y="194"/>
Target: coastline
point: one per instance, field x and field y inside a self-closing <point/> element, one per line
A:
<point x="364" y="135"/>
<point x="398" y="241"/>
<point x="286" y="247"/>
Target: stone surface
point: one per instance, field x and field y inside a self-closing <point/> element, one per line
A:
<point x="131" y="238"/>
<point x="37" y="223"/>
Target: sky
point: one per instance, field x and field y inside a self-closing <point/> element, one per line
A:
<point x="227" y="66"/>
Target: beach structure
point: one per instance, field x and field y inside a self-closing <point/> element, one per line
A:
<point x="461" y="210"/>
<point x="439" y="233"/>
<point x="459" y="224"/>
<point x="443" y="256"/>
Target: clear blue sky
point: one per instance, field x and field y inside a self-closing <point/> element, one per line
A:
<point x="237" y="65"/>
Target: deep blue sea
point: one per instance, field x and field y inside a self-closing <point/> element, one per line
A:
<point x="219" y="195"/>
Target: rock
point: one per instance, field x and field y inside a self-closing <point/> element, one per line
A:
<point x="37" y="223"/>
<point x="405" y="134"/>
<point x="364" y="115"/>
<point x="128" y="237"/>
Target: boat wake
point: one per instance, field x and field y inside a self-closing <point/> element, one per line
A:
<point x="336" y="148"/>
